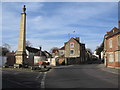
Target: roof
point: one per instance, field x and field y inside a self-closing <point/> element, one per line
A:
<point x="74" y="40"/>
<point x="62" y="48"/>
<point x="48" y="54"/>
<point x="31" y="49"/>
<point x="40" y="53"/>
<point x="55" y="50"/>
<point x="10" y="54"/>
<point x="113" y="32"/>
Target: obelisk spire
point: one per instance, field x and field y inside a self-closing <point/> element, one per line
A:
<point x="21" y="53"/>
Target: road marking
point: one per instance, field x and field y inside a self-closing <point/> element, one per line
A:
<point x="38" y="76"/>
<point x="43" y="80"/>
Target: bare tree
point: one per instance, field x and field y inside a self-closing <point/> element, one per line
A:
<point x="5" y="45"/>
<point x="89" y="50"/>
<point x="28" y="43"/>
<point x="5" y="48"/>
<point x="54" y="48"/>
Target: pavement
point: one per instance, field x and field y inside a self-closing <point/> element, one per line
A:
<point x="108" y="69"/>
<point x="70" y="76"/>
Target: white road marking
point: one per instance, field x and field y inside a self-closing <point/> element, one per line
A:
<point x="43" y="80"/>
<point x="38" y="76"/>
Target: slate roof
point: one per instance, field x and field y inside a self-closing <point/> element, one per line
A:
<point x="62" y="48"/>
<point x="113" y="32"/>
<point x="48" y="54"/>
<point x="55" y="50"/>
<point x="40" y="53"/>
<point x="10" y="54"/>
<point x="31" y="49"/>
<point x="75" y="40"/>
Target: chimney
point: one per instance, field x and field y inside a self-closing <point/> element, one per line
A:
<point x="40" y="51"/>
<point x="77" y="38"/>
<point x="40" y="48"/>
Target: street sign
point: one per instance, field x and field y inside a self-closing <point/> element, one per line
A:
<point x="40" y="62"/>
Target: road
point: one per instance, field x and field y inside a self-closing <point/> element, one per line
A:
<point x="73" y="76"/>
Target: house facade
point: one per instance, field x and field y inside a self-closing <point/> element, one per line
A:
<point x="74" y="51"/>
<point x="35" y="55"/>
<point x="61" y="56"/>
<point x="30" y="51"/>
<point x="10" y="58"/>
<point x="112" y="48"/>
<point x="55" y="52"/>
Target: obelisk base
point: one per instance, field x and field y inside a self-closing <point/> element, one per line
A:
<point x="20" y="59"/>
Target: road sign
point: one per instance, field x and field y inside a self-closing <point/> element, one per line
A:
<point x="40" y="62"/>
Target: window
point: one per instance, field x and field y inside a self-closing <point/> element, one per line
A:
<point x="110" y="43"/>
<point x="61" y="52"/>
<point x="71" y="44"/>
<point x="71" y="51"/>
<point x="118" y="40"/>
<point x="111" y="58"/>
<point x="117" y="56"/>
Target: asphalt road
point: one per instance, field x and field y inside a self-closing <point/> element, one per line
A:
<point x="77" y="76"/>
<point x="19" y="79"/>
<point x="82" y="76"/>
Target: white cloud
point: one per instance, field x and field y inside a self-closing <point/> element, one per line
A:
<point x="40" y="25"/>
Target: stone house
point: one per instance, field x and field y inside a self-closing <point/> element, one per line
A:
<point x="62" y="56"/>
<point x="34" y="55"/>
<point x="55" y="57"/>
<point x="88" y="56"/>
<point x="74" y="51"/>
<point x="10" y="58"/>
<point x="112" y="48"/>
<point x="41" y="56"/>
<point x="30" y="51"/>
<point x="55" y="52"/>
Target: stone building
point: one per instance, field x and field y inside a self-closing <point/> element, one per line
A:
<point x="30" y="51"/>
<point x="74" y="51"/>
<point x="61" y="56"/>
<point x="55" y="52"/>
<point x="34" y="55"/>
<point x="112" y="48"/>
<point x="10" y="58"/>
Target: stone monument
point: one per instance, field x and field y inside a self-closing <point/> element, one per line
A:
<point x="21" y="51"/>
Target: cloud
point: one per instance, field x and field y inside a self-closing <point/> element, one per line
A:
<point x="48" y="24"/>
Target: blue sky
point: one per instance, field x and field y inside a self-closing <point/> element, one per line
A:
<point x="48" y="23"/>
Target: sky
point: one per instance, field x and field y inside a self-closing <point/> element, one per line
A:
<point x="49" y="23"/>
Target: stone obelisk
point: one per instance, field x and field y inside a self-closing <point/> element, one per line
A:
<point x="21" y="53"/>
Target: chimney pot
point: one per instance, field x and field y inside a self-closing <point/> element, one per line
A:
<point x="77" y="38"/>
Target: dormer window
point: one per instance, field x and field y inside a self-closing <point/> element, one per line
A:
<point x="71" y="44"/>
